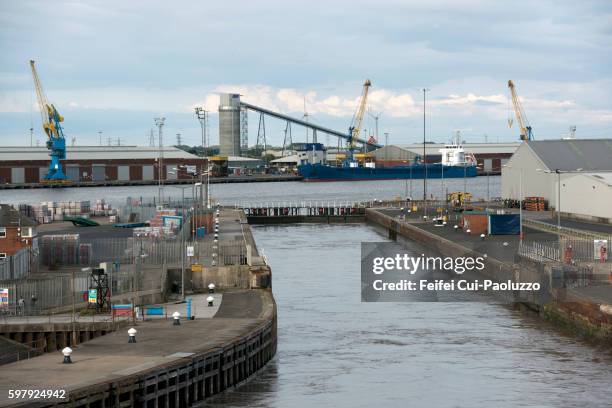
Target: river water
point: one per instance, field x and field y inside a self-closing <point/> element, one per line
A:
<point x="334" y="351"/>
<point x="243" y="193"/>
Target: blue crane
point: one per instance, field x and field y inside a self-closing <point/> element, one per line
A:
<point x="51" y="123"/>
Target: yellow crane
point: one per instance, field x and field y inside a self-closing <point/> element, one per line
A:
<point x="525" y="127"/>
<point x="355" y="128"/>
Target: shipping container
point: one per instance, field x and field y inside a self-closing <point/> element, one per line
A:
<point x="504" y="224"/>
<point x="477" y="223"/>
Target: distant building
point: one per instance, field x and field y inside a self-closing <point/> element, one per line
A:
<point x="16" y="231"/>
<point x="585" y="173"/>
<point x="98" y="163"/>
<point x="489" y="156"/>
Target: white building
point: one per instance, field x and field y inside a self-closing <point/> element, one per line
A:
<point x="583" y="166"/>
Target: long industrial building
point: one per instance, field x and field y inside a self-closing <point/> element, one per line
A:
<point x="576" y="171"/>
<point x="490" y="156"/>
<point x="19" y="165"/>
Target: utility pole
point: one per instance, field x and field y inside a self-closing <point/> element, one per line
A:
<point x="100" y="137"/>
<point x="386" y="146"/>
<point x="424" y="153"/>
<point x="31" y="136"/>
<point x="201" y="114"/>
<point x="159" y="122"/>
<point x="178" y="139"/>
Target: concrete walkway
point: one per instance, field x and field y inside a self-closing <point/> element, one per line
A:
<point x="159" y="342"/>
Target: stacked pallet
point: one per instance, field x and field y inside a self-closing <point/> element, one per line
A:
<point x="534" y="204"/>
<point x="103" y="209"/>
<point x="152" y="232"/>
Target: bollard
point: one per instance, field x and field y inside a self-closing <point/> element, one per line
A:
<point x="469" y="231"/>
<point x="210" y="300"/>
<point x="211" y="288"/>
<point x="189" y="309"/>
<point x="505" y="244"/>
<point x="482" y="236"/>
<point x="214" y="263"/>
<point x="456" y="227"/>
<point x="67" y="351"/>
<point x="177" y="318"/>
<point x="132" y="335"/>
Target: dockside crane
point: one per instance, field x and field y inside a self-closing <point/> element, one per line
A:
<point x="355" y="127"/>
<point x="51" y="123"/>
<point x="525" y="127"/>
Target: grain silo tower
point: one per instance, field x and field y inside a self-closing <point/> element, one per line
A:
<point x="229" y="125"/>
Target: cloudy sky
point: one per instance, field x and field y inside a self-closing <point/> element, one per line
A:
<point x="113" y="66"/>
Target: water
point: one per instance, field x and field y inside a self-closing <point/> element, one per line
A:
<point x="243" y="193"/>
<point x="334" y="351"/>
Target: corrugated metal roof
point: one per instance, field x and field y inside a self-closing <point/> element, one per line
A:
<point x="605" y="178"/>
<point x="573" y="154"/>
<point x="93" y="153"/>
<point x="10" y="217"/>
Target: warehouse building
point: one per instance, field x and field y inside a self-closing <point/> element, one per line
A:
<point x="579" y="171"/>
<point x="20" y="165"/>
<point x="489" y="156"/>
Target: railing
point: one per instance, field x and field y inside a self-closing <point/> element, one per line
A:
<point x="19" y="265"/>
<point x="567" y="250"/>
<point x="540" y="251"/>
<point x="569" y="232"/>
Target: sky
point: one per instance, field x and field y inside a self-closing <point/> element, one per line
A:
<point x="113" y="66"/>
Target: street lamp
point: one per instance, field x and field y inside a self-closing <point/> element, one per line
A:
<point x="558" y="206"/>
<point x="183" y="249"/>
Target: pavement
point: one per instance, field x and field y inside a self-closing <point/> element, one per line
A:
<point x="159" y="342"/>
<point x="492" y="245"/>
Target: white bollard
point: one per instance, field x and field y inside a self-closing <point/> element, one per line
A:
<point x="177" y="318"/>
<point x="210" y="301"/>
<point x="132" y="335"/>
<point x="211" y="288"/>
<point x="67" y="351"/>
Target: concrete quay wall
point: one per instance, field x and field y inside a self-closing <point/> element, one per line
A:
<point x="494" y="269"/>
<point x="552" y="302"/>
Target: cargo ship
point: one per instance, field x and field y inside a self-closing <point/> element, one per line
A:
<point x="455" y="163"/>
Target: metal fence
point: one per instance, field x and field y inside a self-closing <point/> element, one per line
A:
<point x="43" y="294"/>
<point x="19" y="265"/>
<point x="540" y="251"/>
<point x="568" y="250"/>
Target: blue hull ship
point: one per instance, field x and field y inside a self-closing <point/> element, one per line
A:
<point x="322" y="172"/>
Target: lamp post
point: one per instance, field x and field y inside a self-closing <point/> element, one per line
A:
<point x="558" y="206"/>
<point x="159" y="122"/>
<point x="183" y="249"/>
<point x="202" y="116"/>
<point x="424" y="153"/>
